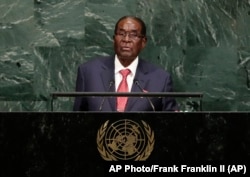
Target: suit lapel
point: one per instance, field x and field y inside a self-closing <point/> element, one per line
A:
<point x="141" y="71"/>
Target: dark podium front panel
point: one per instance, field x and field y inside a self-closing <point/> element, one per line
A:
<point x="69" y="144"/>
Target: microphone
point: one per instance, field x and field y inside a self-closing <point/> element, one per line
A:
<point x="150" y="102"/>
<point x="111" y="83"/>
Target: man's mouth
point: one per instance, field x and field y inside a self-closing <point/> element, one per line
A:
<point x="126" y="48"/>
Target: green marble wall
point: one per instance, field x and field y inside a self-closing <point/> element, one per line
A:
<point x="204" y="44"/>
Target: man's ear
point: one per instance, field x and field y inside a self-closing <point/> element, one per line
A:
<point x="144" y="41"/>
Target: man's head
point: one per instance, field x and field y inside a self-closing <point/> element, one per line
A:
<point x="129" y="39"/>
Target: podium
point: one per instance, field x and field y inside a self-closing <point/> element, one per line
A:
<point x="66" y="144"/>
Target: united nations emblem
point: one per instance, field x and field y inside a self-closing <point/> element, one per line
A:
<point x="125" y="140"/>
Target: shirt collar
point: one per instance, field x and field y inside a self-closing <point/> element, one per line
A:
<point x="132" y="66"/>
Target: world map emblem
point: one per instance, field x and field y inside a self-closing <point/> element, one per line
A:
<point x="125" y="139"/>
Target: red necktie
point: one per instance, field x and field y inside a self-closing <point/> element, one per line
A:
<point x="123" y="87"/>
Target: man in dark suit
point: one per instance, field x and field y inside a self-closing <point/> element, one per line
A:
<point x="106" y="74"/>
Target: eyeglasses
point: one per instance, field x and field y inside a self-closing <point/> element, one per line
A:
<point x="131" y="35"/>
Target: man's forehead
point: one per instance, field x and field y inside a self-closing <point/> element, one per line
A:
<point x="129" y="24"/>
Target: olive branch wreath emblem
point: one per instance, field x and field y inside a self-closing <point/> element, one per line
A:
<point x="109" y="157"/>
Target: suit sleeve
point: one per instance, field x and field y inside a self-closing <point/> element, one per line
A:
<point x="169" y="103"/>
<point x="80" y="103"/>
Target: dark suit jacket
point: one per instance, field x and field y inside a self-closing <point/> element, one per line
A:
<point x="96" y="75"/>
